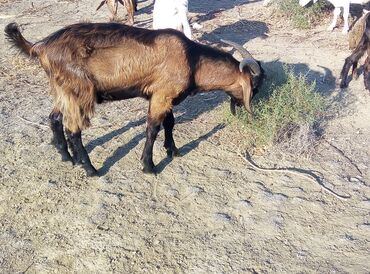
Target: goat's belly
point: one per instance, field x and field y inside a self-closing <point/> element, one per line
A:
<point x="118" y="94"/>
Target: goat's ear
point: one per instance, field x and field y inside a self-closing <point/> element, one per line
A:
<point x="247" y="93"/>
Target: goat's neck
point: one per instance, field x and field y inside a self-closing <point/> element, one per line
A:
<point x="217" y="75"/>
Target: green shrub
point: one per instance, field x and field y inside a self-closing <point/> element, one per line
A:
<point x="285" y="102"/>
<point x="301" y="17"/>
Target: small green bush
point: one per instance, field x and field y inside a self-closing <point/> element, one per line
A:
<point x="301" y="17"/>
<point x="284" y="102"/>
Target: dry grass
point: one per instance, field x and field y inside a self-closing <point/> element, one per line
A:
<point x="302" y="17"/>
<point x="286" y="115"/>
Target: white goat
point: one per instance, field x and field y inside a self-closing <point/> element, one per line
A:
<point x="338" y="4"/>
<point x="171" y="14"/>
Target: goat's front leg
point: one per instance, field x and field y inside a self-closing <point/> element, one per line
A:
<point x="59" y="140"/>
<point x="352" y="60"/>
<point x="80" y="155"/>
<point x="345" y="17"/>
<point x="152" y="130"/>
<point x="160" y="106"/>
<point x="169" y="143"/>
<point x="336" y="13"/>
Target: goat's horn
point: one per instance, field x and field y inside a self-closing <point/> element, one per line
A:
<point x="252" y="64"/>
<point x="248" y="58"/>
<point x="245" y="54"/>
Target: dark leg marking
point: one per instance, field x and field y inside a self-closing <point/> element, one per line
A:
<point x="169" y="143"/>
<point x="147" y="156"/>
<point x="80" y="155"/>
<point x="59" y="140"/>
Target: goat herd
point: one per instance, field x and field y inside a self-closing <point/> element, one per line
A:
<point x="89" y="63"/>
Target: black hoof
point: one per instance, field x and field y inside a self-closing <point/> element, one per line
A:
<point x="343" y="84"/>
<point x="66" y="157"/>
<point x="91" y="171"/>
<point x="149" y="170"/>
<point x="173" y="152"/>
<point x="76" y="162"/>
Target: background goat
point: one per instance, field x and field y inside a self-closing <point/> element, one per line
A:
<point x="357" y="31"/>
<point x="131" y="7"/>
<point x="171" y="14"/>
<point x="338" y="5"/>
<point x="88" y="63"/>
<point x="352" y="60"/>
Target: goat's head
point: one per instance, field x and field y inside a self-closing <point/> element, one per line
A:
<point x="251" y="78"/>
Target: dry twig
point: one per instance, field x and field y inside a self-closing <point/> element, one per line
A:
<point x="303" y="173"/>
<point x="33" y="123"/>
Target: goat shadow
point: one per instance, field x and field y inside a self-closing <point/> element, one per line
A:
<point x="123" y="150"/>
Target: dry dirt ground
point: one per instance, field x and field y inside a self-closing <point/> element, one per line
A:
<point x="206" y="212"/>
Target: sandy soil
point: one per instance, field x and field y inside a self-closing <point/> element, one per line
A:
<point x="206" y="212"/>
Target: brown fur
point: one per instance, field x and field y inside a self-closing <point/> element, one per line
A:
<point x="357" y="31"/>
<point x="88" y="63"/>
<point x="84" y="60"/>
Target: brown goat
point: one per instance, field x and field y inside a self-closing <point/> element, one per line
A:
<point x="131" y="7"/>
<point x="95" y="62"/>
<point x="352" y="60"/>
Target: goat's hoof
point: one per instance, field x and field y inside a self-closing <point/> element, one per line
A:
<point x="149" y="169"/>
<point x="91" y="171"/>
<point x="343" y="84"/>
<point x="173" y="153"/>
<point x="66" y="157"/>
<point x="76" y="162"/>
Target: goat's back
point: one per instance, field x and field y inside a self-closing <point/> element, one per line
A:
<point x="117" y="56"/>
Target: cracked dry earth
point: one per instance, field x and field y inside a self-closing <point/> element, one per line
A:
<point x="206" y="212"/>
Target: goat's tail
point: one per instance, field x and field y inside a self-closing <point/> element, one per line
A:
<point x="15" y="37"/>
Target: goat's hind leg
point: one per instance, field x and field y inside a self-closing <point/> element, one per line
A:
<point x="78" y="107"/>
<point x="59" y="140"/>
<point x="152" y="130"/>
<point x="80" y="155"/>
<point x="336" y="14"/>
<point x="345" y="18"/>
<point x="169" y="143"/>
<point x="352" y="60"/>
